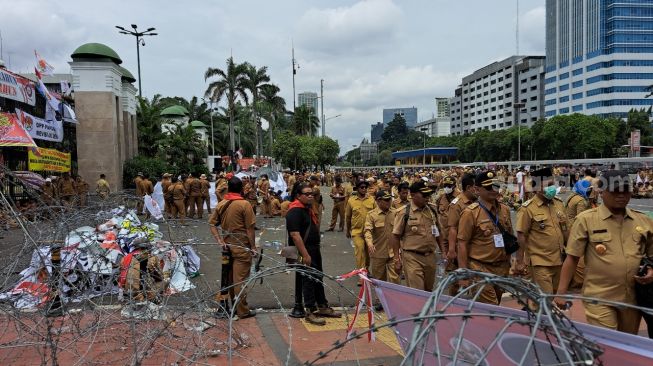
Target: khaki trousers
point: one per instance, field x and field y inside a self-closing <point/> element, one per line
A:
<point x="338" y="210"/>
<point x="360" y="252"/>
<point x="490" y="294"/>
<point x="547" y="277"/>
<point x="195" y="204"/>
<point x="603" y="315"/>
<point x="419" y="270"/>
<point x="179" y="208"/>
<point x="242" y="264"/>
<point x="383" y="269"/>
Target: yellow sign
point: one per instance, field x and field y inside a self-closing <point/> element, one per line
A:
<point x="48" y="160"/>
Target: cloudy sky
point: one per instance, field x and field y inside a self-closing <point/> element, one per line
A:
<point x="372" y="54"/>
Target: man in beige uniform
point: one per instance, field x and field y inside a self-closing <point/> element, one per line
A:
<point x="478" y="248"/>
<point x="318" y="204"/>
<point x="167" y="196"/>
<point x="456" y="208"/>
<point x="542" y="232"/>
<point x="357" y="208"/>
<point x="613" y="239"/>
<point x="416" y="231"/>
<point x="194" y="187"/>
<point x="338" y="196"/>
<point x="378" y="230"/>
<point x="264" y="192"/>
<point x="204" y="195"/>
<point x="236" y="218"/>
<point x="442" y="202"/>
<point x="578" y="202"/>
<point x="402" y="196"/>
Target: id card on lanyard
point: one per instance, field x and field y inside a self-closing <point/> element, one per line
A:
<point x="498" y="238"/>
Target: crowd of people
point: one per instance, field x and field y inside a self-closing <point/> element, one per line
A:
<point x="573" y="229"/>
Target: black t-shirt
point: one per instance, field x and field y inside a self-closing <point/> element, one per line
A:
<point x="299" y="220"/>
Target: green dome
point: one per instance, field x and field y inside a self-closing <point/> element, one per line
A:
<point x="96" y="50"/>
<point x="126" y="75"/>
<point x="198" y="124"/>
<point x="174" y="111"/>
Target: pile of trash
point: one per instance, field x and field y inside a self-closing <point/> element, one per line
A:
<point x="122" y="256"/>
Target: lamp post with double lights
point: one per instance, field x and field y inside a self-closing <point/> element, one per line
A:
<point x="139" y="41"/>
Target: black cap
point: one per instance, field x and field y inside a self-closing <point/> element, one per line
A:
<point x="382" y="195"/>
<point x="362" y="182"/>
<point x="615" y="181"/>
<point x="420" y="186"/>
<point x="313" y="177"/>
<point x="486" y="179"/>
<point x="544" y="173"/>
<point x="448" y="181"/>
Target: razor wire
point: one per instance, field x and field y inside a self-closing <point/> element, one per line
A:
<point x="99" y="325"/>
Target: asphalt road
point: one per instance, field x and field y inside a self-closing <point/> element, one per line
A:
<point x="275" y="292"/>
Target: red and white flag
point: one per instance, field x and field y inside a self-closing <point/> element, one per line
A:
<point x="42" y="66"/>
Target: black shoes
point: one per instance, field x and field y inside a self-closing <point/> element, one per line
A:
<point x="297" y="312"/>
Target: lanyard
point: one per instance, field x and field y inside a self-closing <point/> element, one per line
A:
<point x="495" y="219"/>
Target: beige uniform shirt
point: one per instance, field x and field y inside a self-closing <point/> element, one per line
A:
<point x="543" y="224"/>
<point x="378" y="228"/>
<point x="417" y="235"/>
<point x="613" y="251"/>
<point x="235" y="221"/>
<point x="478" y="230"/>
<point x="356" y="211"/>
<point x="575" y="205"/>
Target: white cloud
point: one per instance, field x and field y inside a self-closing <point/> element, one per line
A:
<point x="532" y="30"/>
<point x="361" y="29"/>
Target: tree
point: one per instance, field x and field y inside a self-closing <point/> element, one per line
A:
<point x="640" y="120"/>
<point x="185" y="151"/>
<point x="395" y="130"/>
<point x="385" y="157"/>
<point x="272" y="108"/>
<point x="305" y="122"/>
<point x="327" y="150"/>
<point x="149" y="125"/>
<point x="257" y="79"/>
<point x="232" y="84"/>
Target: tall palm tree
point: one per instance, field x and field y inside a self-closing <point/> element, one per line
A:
<point x="272" y="107"/>
<point x="149" y="125"/>
<point x="257" y="78"/>
<point x="232" y="84"/>
<point x="305" y="122"/>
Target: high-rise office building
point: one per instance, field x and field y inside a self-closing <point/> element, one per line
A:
<point x="409" y="114"/>
<point x="599" y="56"/>
<point x="308" y="99"/>
<point x="377" y="131"/>
<point x="499" y="95"/>
<point x="442" y="105"/>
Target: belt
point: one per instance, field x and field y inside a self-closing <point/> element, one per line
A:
<point x="418" y="252"/>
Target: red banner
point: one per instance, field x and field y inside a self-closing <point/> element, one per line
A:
<point x="12" y="132"/>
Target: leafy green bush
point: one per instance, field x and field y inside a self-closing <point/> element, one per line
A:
<point x="154" y="167"/>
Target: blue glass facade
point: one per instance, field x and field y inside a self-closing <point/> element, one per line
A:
<point x="601" y="48"/>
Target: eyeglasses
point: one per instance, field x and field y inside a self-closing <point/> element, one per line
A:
<point x="493" y="187"/>
<point x="308" y="194"/>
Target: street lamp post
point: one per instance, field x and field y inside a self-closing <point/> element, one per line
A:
<point x="424" y="129"/>
<point x="138" y="36"/>
<point x="518" y="107"/>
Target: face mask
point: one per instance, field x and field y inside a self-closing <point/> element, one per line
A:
<point x="448" y="190"/>
<point x="550" y="192"/>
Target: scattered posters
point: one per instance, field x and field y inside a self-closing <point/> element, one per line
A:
<point x="12" y="132"/>
<point x="401" y="302"/>
<point x="39" y="128"/>
<point x="48" y="160"/>
<point x="16" y="88"/>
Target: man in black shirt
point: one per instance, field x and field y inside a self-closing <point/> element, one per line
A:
<point x="304" y="233"/>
